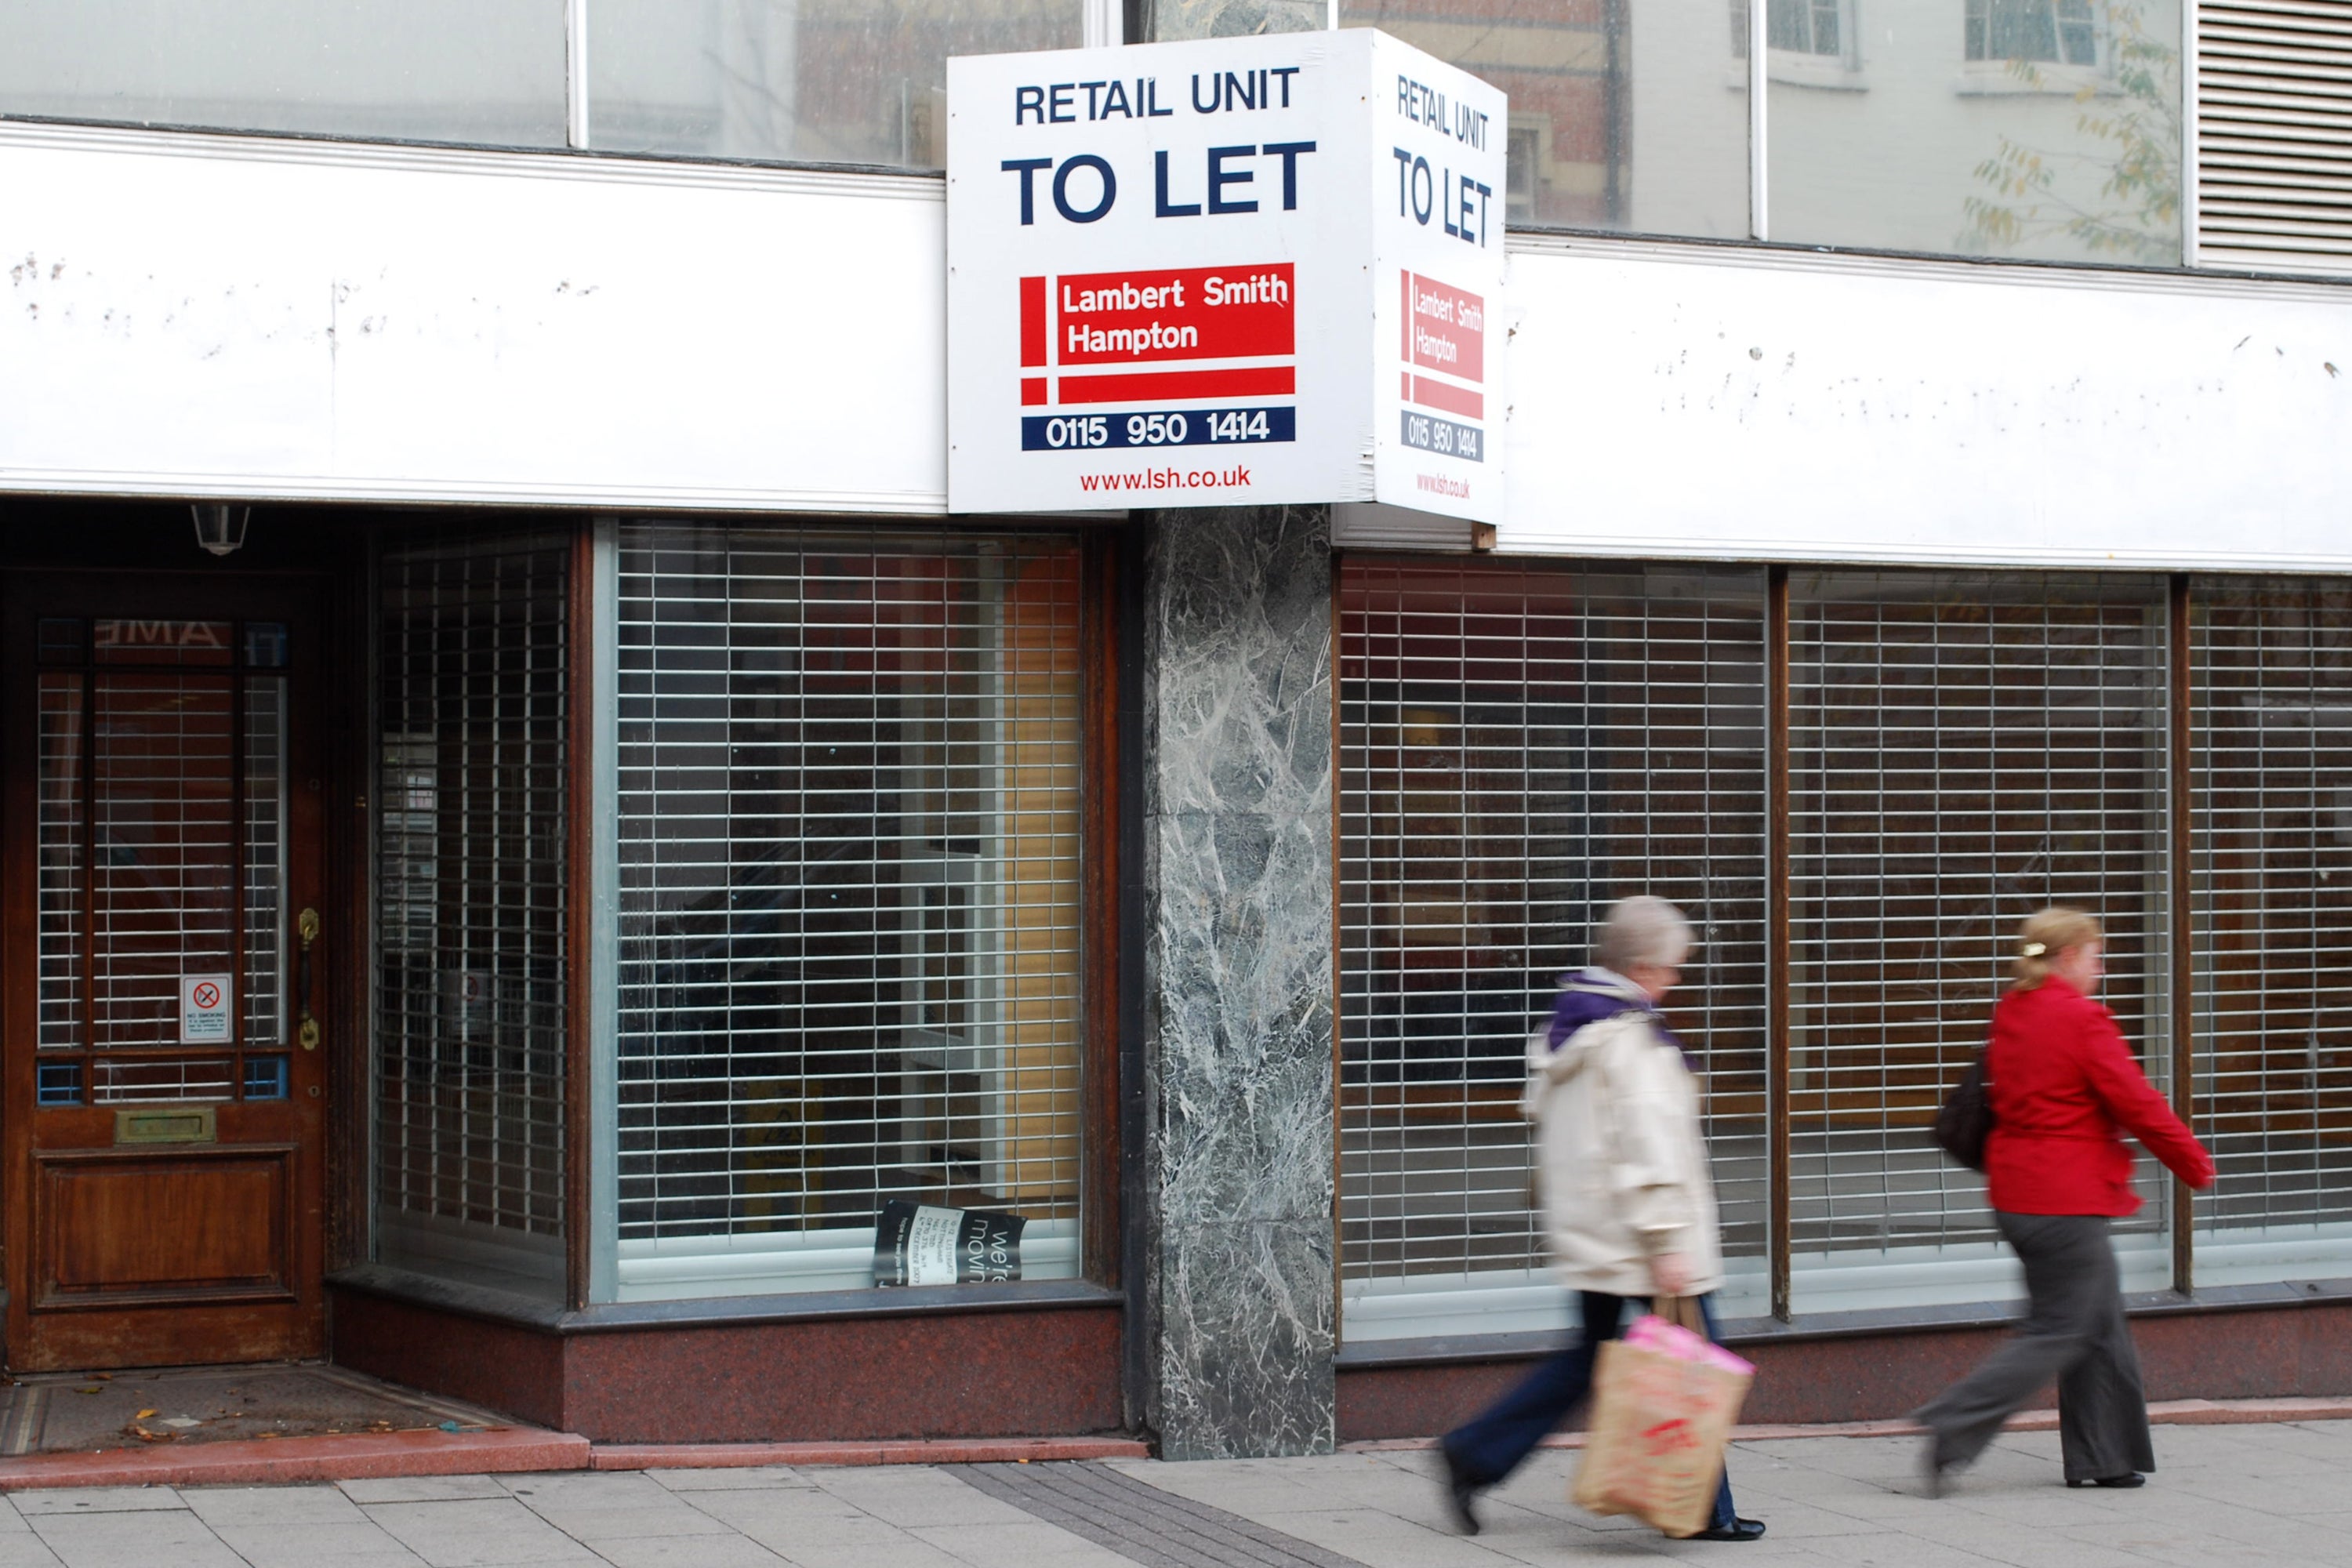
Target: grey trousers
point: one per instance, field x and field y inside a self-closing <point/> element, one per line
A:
<point x="2074" y="1330"/>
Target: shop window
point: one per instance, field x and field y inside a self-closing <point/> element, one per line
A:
<point x="840" y="81"/>
<point x="1519" y="747"/>
<point x="487" y="72"/>
<point x="2273" y="868"/>
<point x="1964" y="749"/>
<point x="472" y="653"/>
<point x="849" y="944"/>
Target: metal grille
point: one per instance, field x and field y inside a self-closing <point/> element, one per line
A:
<point x="265" y="857"/>
<point x="165" y="851"/>
<point x="1965" y="749"/>
<point x="1518" y="747"/>
<point x="162" y="857"/>
<point x="63" y="877"/>
<point x="2274" y="134"/>
<point x="2273" y="849"/>
<point x="472" y="665"/>
<point x="849" y="855"/>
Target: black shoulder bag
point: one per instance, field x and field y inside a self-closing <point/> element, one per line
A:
<point x="1966" y="1121"/>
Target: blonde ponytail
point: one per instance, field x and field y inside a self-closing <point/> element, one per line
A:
<point x="2043" y="937"/>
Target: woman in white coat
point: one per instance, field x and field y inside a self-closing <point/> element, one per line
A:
<point x="1628" y="1205"/>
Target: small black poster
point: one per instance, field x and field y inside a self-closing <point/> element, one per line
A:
<point x="915" y="1244"/>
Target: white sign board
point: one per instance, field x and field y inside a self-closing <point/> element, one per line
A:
<point x="206" y="1001"/>
<point x="1237" y="271"/>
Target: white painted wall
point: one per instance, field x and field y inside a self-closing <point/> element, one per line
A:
<point x="188" y="315"/>
<point x="1747" y="403"/>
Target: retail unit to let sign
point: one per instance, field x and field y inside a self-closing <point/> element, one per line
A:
<point x="1225" y="273"/>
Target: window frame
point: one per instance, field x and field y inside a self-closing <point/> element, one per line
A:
<point x="1097" y="1099"/>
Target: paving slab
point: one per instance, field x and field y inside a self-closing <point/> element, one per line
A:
<point x="730" y="1479"/>
<point x="222" y="1506"/>
<point x="478" y="1533"/>
<point x="99" y="1500"/>
<point x="111" y="1539"/>
<point x="421" y="1488"/>
<point x="314" y="1545"/>
<point x="690" y="1551"/>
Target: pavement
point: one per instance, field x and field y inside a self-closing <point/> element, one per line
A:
<point x="2239" y="1496"/>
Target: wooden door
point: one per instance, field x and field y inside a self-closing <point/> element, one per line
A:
<point x="163" y="1084"/>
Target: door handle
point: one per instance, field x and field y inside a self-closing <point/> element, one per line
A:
<point x="306" y="926"/>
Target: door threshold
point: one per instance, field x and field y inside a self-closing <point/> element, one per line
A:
<point x="185" y="1408"/>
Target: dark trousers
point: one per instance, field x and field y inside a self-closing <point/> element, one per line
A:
<point x="1491" y="1447"/>
<point x="2075" y="1330"/>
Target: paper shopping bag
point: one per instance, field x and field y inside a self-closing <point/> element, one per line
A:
<point x="1663" y="1402"/>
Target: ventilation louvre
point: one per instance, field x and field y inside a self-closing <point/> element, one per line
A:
<point x="2275" y="135"/>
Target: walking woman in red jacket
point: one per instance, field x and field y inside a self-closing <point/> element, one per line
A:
<point x="2063" y="1090"/>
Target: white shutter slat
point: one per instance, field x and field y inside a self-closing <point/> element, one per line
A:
<point x="2274" y="134"/>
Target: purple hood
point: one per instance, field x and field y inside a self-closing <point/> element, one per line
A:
<point x="1589" y="995"/>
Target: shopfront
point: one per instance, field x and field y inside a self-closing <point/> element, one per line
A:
<point x="472" y="947"/>
<point x="612" y="902"/>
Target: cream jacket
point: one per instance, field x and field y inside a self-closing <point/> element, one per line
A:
<point x="1620" y="1163"/>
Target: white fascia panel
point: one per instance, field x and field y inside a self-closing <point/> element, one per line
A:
<point x="1739" y="404"/>
<point x="196" y="315"/>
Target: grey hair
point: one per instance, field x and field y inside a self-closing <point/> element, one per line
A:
<point x="1642" y="930"/>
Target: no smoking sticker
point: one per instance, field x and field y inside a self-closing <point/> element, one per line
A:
<point x="205" y="1003"/>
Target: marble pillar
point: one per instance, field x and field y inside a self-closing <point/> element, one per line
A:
<point x="1238" y="931"/>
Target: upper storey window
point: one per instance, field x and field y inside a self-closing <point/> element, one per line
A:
<point x="1800" y="26"/>
<point x="2052" y="32"/>
<point x="827" y="81"/>
<point x="488" y="72"/>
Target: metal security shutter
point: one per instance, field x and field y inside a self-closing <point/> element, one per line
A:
<point x="2274" y="134"/>
<point x="473" y="655"/>
<point x="1519" y="746"/>
<point x="2272" y="846"/>
<point x="1965" y="749"/>
<point x="849" y="931"/>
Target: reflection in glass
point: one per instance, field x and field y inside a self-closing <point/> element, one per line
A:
<point x="843" y="81"/>
<point x="2041" y="129"/>
<point x="1622" y="116"/>
<point x="486" y="71"/>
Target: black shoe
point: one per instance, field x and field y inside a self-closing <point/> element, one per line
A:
<point x="1738" y="1529"/>
<point x="1932" y="1470"/>
<point x="2128" y="1479"/>
<point x="1461" y="1491"/>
